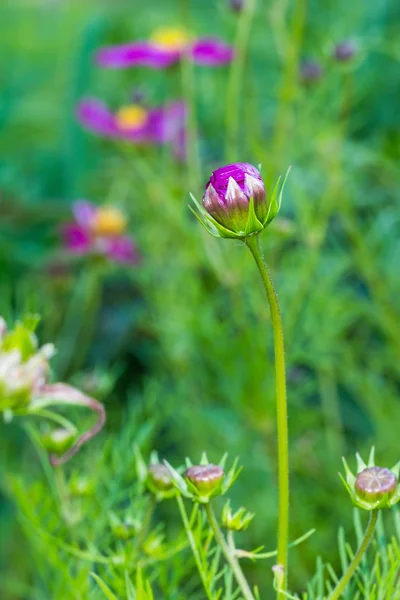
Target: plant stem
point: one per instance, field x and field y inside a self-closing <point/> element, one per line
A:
<point x="337" y="592"/>
<point x="193" y="546"/>
<point x="229" y="554"/>
<point x="235" y="83"/>
<point x="253" y="243"/>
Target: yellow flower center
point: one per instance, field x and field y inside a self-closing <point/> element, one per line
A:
<point x="131" y="117"/>
<point x="171" y="38"/>
<point x="108" y="221"/>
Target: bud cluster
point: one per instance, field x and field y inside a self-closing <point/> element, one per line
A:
<point x="372" y="487"/>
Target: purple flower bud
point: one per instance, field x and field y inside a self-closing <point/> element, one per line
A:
<point x="206" y="478"/>
<point x="160" y="477"/>
<point x="310" y="72"/>
<point x="374" y="483"/>
<point x="237" y="5"/>
<point x="345" y="51"/>
<point x="227" y="197"/>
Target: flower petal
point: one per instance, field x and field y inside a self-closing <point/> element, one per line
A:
<point x="138" y="54"/>
<point x="84" y="213"/>
<point x="211" y="52"/>
<point x="122" y="249"/>
<point x="76" y="239"/>
<point x="94" y="115"/>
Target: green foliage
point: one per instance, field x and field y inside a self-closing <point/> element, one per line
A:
<point x="180" y="347"/>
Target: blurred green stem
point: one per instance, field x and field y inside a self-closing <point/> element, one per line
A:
<point x="331" y="412"/>
<point x="193" y="546"/>
<point x="341" y="586"/>
<point x="235" y="83"/>
<point x="289" y="81"/>
<point x="229" y="553"/>
<point x="253" y="243"/>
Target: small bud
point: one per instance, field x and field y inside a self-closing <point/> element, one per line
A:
<point x="207" y="479"/>
<point x="345" y="51"/>
<point x="238" y="521"/>
<point x="310" y="72"/>
<point x="124" y="530"/>
<point x="159" y="481"/>
<point x="372" y="487"/>
<point x="375" y="483"/>
<point x="235" y="203"/>
<point x="237" y="5"/>
<point x="80" y="486"/>
<point x="59" y="440"/>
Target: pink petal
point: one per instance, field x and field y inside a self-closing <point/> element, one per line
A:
<point x="122" y="249"/>
<point x="138" y="54"/>
<point x="212" y="52"/>
<point x="94" y="115"/>
<point x="76" y="239"/>
<point x="84" y="213"/>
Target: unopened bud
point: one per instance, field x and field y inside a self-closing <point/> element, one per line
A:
<point x="59" y="440"/>
<point x="376" y="483"/>
<point x="345" y="51"/>
<point x="238" y="521"/>
<point x="207" y="479"/>
<point x="160" y="477"/>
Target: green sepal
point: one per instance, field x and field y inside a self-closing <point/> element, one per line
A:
<point x="276" y="198"/>
<point x="253" y="225"/>
<point x="210" y="224"/>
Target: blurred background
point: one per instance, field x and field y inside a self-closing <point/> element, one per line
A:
<point x="178" y="344"/>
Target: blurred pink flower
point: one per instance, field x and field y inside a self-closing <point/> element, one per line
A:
<point x="165" y="47"/>
<point x="100" y="230"/>
<point x="135" y="123"/>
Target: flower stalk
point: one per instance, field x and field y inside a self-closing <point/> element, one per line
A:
<point x="341" y="586"/>
<point x="253" y="243"/>
<point x="229" y="553"/>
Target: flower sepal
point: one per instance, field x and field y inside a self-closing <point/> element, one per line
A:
<point x="372" y="487"/>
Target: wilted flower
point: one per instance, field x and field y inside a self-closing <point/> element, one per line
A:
<point x="310" y="71"/>
<point x="345" y="51"/>
<point x="165" y="47"/>
<point x="235" y="203"/>
<point x="100" y="230"/>
<point x="372" y="487"/>
<point x="24" y="387"/>
<point x="137" y="124"/>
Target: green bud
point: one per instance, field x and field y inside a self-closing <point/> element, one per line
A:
<point x="159" y="481"/>
<point x="124" y="530"/>
<point x="238" y="521"/>
<point x="58" y="441"/>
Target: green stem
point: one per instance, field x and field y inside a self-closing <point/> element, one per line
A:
<point x="229" y="554"/>
<point x="235" y="83"/>
<point x="193" y="546"/>
<point x="253" y="243"/>
<point x="337" y="592"/>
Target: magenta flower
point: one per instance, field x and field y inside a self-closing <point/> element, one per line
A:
<point x="235" y="203"/>
<point x="99" y="230"/>
<point x="165" y="47"/>
<point x="134" y="123"/>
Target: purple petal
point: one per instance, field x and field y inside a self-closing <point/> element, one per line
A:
<point x="138" y="54"/>
<point x="76" y="239"/>
<point x="84" y="213"/>
<point x="165" y="122"/>
<point x="94" y="115"/>
<point x="122" y="249"/>
<point x="238" y="171"/>
<point x="212" y="52"/>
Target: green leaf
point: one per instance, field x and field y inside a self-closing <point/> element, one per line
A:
<point x="107" y="592"/>
<point x="253" y="225"/>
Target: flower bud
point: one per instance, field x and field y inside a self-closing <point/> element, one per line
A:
<point x="375" y="483"/>
<point x="124" y="530"/>
<point x="237" y="5"/>
<point x="159" y="478"/>
<point x="207" y="479"/>
<point x="59" y="440"/>
<point x="234" y="204"/>
<point x="372" y="487"/>
<point x="310" y="72"/>
<point x="345" y="51"/>
<point x="238" y="521"/>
